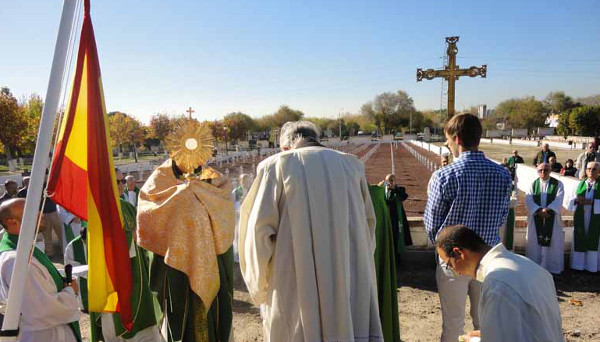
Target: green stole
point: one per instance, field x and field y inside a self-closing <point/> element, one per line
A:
<point x="79" y="256"/>
<point x="142" y="301"/>
<point x="385" y="266"/>
<point x="586" y="242"/>
<point x="9" y="243"/>
<point x="399" y="243"/>
<point x="544" y="226"/>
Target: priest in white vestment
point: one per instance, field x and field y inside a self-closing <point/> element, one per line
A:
<point x="585" y="203"/>
<point x="47" y="314"/>
<point x="545" y="238"/>
<point x="307" y="242"/>
<point x="518" y="299"/>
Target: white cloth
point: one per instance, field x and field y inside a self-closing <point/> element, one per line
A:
<point x="551" y="257"/>
<point x="150" y="334"/>
<point x="46" y="313"/>
<point x="306" y="247"/>
<point x="518" y="299"/>
<point x="236" y="252"/>
<point x="453" y="291"/>
<point x="590" y="260"/>
<point x="67" y="218"/>
<point x="132" y="197"/>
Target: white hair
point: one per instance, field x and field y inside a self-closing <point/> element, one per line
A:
<point x="294" y="131"/>
<point x="130" y="177"/>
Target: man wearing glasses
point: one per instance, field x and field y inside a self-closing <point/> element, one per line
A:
<point x="545" y="239"/>
<point x="510" y="308"/>
<point x="473" y="191"/>
<point x="586" y="235"/>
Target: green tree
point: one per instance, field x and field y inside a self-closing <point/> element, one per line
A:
<point x="390" y="111"/>
<point x="238" y="125"/>
<point x="564" y="127"/>
<point x="323" y="123"/>
<point x="285" y="114"/>
<point x="585" y="121"/>
<point x="14" y="124"/>
<point x="526" y="112"/>
<point x="558" y="102"/>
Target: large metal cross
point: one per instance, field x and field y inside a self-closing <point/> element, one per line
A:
<point x="451" y="72"/>
<point x="190" y="111"/>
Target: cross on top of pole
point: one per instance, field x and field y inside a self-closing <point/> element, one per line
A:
<point x="190" y="111"/>
<point x="451" y="72"/>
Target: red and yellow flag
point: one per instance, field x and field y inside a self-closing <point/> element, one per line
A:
<point x="83" y="181"/>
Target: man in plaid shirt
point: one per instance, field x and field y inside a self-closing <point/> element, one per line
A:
<point x="473" y="191"/>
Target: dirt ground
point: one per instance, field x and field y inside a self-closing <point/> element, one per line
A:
<point x="420" y="315"/>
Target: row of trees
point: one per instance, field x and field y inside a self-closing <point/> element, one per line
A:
<point x="388" y="112"/>
<point x="575" y="117"/>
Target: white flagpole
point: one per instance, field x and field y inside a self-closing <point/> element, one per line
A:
<point x="40" y="164"/>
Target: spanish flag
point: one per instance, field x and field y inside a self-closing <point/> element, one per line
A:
<point x="83" y="181"/>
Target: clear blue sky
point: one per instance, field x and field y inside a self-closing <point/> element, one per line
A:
<point x="316" y="56"/>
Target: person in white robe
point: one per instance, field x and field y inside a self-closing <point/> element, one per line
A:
<point x="307" y="242"/>
<point x="239" y="195"/>
<point x="47" y="314"/>
<point x="518" y="299"/>
<point x="585" y="202"/>
<point x="545" y="238"/>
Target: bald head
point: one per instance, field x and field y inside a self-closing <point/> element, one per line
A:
<point x="11" y="214"/>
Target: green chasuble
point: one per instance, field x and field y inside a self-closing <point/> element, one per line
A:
<point x="398" y="219"/>
<point x="186" y="315"/>
<point x="544" y="226"/>
<point x="9" y="242"/>
<point x="586" y="242"/>
<point x="385" y="267"/>
<point x="145" y="313"/>
<point x="78" y="245"/>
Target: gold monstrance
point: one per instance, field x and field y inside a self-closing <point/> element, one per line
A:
<point x="191" y="145"/>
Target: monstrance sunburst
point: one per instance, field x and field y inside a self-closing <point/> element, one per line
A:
<point x="191" y="145"/>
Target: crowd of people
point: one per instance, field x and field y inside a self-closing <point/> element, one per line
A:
<point x="571" y="168"/>
<point x="317" y="247"/>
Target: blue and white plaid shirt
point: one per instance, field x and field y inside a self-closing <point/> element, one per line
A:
<point x="473" y="191"/>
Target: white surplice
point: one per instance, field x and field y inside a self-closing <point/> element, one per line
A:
<point x="590" y="260"/>
<point x="551" y="257"/>
<point x="46" y="313"/>
<point x="306" y="247"/>
<point x="518" y="299"/>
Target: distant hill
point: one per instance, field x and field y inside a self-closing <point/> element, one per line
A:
<point x="593" y="100"/>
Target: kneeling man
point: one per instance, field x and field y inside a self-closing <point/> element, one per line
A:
<point x="518" y="299"/>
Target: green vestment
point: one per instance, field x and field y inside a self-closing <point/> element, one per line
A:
<point x="398" y="219"/>
<point x="586" y="241"/>
<point x="186" y="315"/>
<point x="385" y="267"/>
<point x="544" y="226"/>
<point x="145" y="312"/>
<point x="78" y="245"/>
